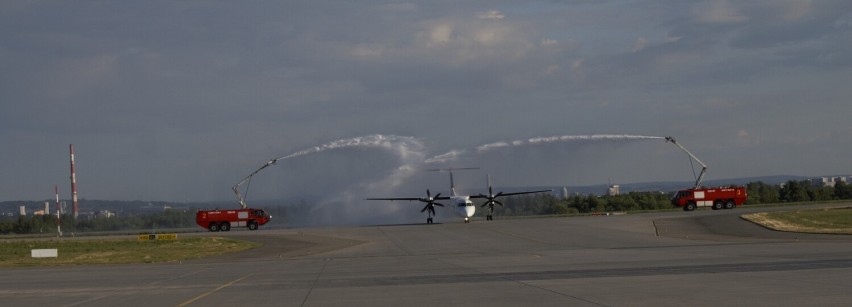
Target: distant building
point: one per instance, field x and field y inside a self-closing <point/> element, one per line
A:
<point x="105" y="213"/>
<point x="565" y="194"/>
<point x="829" y="182"/>
<point x="23" y="211"/>
<point x="614" y="190"/>
<point x="151" y="208"/>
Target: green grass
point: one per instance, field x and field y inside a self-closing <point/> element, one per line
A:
<point x="122" y="251"/>
<point x="837" y="220"/>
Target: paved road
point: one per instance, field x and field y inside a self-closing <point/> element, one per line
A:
<point x="701" y="258"/>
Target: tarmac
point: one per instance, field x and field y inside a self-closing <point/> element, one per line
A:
<point x="700" y="258"/>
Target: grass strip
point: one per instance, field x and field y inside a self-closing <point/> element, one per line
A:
<point x="14" y="253"/>
<point x="830" y="220"/>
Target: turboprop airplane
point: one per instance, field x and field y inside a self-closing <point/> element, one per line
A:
<point x="462" y="204"/>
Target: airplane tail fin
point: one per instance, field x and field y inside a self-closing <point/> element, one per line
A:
<point x="452" y="183"/>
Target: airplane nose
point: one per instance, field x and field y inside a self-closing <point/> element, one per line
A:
<point x="470" y="210"/>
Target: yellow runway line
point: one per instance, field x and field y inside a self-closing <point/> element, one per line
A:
<point x="212" y="291"/>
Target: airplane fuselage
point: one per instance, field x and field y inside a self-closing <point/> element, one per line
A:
<point x="463" y="206"/>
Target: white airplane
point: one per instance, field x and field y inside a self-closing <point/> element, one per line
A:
<point x="462" y="204"/>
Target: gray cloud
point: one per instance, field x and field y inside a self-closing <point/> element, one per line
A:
<point x="178" y="101"/>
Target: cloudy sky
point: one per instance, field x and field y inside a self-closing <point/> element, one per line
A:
<point x="178" y="101"/>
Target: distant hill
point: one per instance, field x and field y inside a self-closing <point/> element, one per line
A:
<point x="11" y="208"/>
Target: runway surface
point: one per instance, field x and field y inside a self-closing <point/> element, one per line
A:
<point x="701" y="258"/>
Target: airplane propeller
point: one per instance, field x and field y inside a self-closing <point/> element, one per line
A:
<point x="491" y="199"/>
<point x="430" y="202"/>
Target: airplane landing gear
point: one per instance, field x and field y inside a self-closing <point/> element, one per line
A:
<point x="489" y="217"/>
<point x="467" y="220"/>
<point x="429" y="220"/>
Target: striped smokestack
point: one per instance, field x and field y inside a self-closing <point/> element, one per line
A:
<point x="74" y="209"/>
<point x="58" y="205"/>
<point x="58" y="211"/>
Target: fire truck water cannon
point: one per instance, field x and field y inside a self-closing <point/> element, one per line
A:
<point x="703" y="166"/>
<point x="698" y="196"/>
<point x="236" y="187"/>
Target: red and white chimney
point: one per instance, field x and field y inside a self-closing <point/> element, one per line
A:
<point x="75" y="210"/>
<point x="58" y="205"/>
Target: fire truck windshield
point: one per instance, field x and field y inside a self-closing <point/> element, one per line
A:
<point x="682" y="194"/>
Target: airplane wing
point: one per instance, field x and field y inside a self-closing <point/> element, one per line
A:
<point x="510" y="194"/>
<point x="394" y="198"/>
<point x="526" y="192"/>
<point x="429" y="200"/>
<point x="409" y="198"/>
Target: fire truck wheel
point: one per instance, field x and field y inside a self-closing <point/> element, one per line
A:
<point x="225" y="226"/>
<point x="729" y="204"/>
<point x="213" y="227"/>
<point x="689" y="206"/>
<point x="252" y="225"/>
<point x="717" y="205"/>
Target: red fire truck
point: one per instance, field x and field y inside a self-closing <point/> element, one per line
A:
<point x="698" y="196"/>
<point x="223" y="220"/>
<point x="716" y="198"/>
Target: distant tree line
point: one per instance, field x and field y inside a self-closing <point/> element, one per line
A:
<point x="758" y="193"/>
<point x="796" y="191"/>
<point x="47" y="223"/>
<point x="539" y="204"/>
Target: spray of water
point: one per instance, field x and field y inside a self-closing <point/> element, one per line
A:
<point x="407" y="148"/>
<point x="336" y="208"/>
<point x="404" y="145"/>
<point x="455" y="154"/>
<point x="562" y="139"/>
